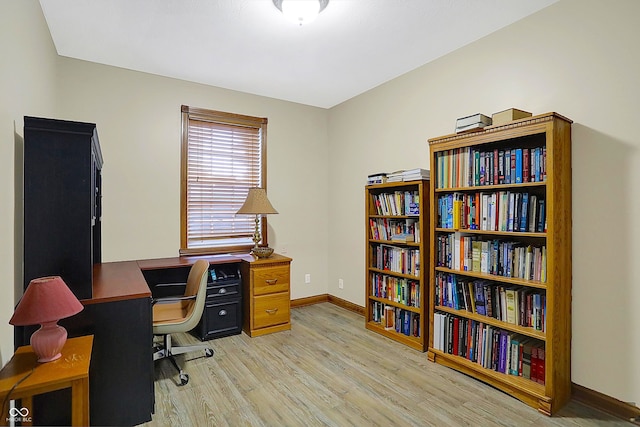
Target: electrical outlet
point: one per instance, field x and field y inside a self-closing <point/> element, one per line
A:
<point x="341" y="283"/>
<point x="307" y="278"/>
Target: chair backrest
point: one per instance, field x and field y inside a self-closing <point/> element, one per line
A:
<point x="196" y="285"/>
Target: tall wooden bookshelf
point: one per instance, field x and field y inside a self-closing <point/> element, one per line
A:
<point x="397" y="271"/>
<point x="505" y="299"/>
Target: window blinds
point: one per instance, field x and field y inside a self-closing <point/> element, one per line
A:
<point x="224" y="158"/>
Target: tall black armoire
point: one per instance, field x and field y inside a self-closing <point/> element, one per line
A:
<point x="62" y="185"/>
<point x="62" y="210"/>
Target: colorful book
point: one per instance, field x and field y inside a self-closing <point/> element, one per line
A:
<point x="518" y="165"/>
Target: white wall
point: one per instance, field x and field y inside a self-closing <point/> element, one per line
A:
<point x="138" y="122"/>
<point x="26" y="88"/>
<point x="579" y="58"/>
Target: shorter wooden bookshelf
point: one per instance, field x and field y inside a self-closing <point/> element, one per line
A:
<point x="396" y="275"/>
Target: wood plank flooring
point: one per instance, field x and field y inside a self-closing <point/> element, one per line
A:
<point x="330" y="371"/>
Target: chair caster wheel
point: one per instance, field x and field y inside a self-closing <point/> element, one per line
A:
<point x="184" y="379"/>
<point x="208" y="352"/>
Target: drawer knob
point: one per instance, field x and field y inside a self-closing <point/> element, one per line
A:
<point x="222" y="313"/>
<point x="271" y="281"/>
<point x="272" y="311"/>
<point x="222" y="291"/>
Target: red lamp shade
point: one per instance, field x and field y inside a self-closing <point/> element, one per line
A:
<point x="46" y="300"/>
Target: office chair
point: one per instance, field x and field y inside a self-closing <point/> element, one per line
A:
<point x="181" y="314"/>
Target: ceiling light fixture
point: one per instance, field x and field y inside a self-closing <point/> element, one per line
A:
<point x="301" y="11"/>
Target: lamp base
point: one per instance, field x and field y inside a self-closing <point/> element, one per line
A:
<point x="47" y="342"/>
<point x="262" y="251"/>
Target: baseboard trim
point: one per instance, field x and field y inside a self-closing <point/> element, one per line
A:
<point x="317" y="299"/>
<point x="604" y="403"/>
<point x="346" y="304"/>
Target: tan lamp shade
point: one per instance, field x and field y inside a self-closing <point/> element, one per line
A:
<point x="257" y="203"/>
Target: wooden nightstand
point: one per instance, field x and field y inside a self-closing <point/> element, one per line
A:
<point x="70" y="370"/>
<point x="266" y="294"/>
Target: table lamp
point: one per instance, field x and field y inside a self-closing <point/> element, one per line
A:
<point x="257" y="204"/>
<point x="46" y="300"/>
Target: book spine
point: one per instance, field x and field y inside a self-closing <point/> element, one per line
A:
<point x="518" y="171"/>
<point x="496" y="167"/>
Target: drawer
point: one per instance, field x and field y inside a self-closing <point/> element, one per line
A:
<point x="222" y="318"/>
<point x="270" y="310"/>
<point x="217" y="291"/>
<point x="270" y="280"/>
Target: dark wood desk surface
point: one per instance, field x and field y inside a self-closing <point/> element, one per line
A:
<point x="123" y="280"/>
<point x="117" y="281"/>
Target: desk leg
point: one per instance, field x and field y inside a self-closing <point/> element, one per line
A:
<point x="27" y="402"/>
<point x="80" y="402"/>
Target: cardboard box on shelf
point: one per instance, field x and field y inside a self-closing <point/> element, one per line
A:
<point x="508" y="115"/>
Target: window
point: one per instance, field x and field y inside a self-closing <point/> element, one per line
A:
<point x="223" y="155"/>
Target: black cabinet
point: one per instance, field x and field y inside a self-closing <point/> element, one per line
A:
<point x="121" y="373"/>
<point x="223" y="310"/>
<point x="62" y="202"/>
<point x="222" y="314"/>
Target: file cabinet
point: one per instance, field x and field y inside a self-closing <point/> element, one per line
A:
<point x="266" y="295"/>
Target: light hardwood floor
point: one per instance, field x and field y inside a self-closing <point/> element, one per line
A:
<point x="330" y="371"/>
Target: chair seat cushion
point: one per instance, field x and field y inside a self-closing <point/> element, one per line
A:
<point x="171" y="313"/>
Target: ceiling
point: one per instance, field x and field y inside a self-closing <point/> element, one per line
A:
<point x="248" y="45"/>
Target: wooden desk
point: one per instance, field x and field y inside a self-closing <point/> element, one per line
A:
<point x="70" y="370"/>
<point x="266" y="295"/>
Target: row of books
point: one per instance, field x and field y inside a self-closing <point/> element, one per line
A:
<point x="471" y="123"/>
<point x="396" y="319"/>
<point x="408" y="175"/>
<point x="397" y="203"/>
<point x="494" y="211"/>
<point x="398" y="176"/>
<point x="490" y="347"/>
<point x="399" y="230"/>
<point x="377" y="178"/>
<point x="515" y="305"/>
<point x="469" y="167"/>
<point x="495" y="256"/>
<point x="400" y="290"/>
<point x="397" y="260"/>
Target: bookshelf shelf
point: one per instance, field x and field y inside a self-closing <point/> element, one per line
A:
<point x="392" y="273"/>
<point x="395" y="216"/>
<point x="491" y="187"/>
<point x="494" y="278"/>
<point x="388" y="301"/>
<point x="396" y="271"/>
<point x="491" y="321"/>
<point x="499" y="302"/>
<point x="515" y="234"/>
<point x="394" y="242"/>
<point x="530" y="393"/>
<point x="409" y="341"/>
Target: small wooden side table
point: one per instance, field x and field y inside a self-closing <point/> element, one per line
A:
<point x="70" y="370"/>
